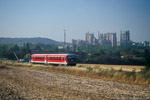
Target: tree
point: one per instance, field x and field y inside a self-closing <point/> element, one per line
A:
<point x="147" y="57"/>
<point x="36" y="49"/>
<point x="28" y="48"/>
<point x="27" y="56"/>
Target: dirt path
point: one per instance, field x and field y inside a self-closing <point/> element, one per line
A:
<point x="18" y="83"/>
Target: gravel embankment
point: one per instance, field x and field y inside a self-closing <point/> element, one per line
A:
<point x="18" y="83"/>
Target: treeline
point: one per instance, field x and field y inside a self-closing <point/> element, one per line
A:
<point x="122" y="55"/>
<point x="24" y="51"/>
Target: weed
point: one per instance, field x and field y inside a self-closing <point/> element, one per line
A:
<point x="120" y="70"/>
<point x="142" y="77"/>
<point x="79" y="66"/>
<point x="89" y="69"/>
<point x="134" y="70"/>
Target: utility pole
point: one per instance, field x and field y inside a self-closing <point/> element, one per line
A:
<point x="64" y="38"/>
<point x="98" y="34"/>
<point x="21" y="50"/>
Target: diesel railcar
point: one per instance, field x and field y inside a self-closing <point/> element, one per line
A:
<point x="57" y="59"/>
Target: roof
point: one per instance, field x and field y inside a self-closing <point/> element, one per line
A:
<point x="53" y="54"/>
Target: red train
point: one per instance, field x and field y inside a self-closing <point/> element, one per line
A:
<point x="63" y="59"/>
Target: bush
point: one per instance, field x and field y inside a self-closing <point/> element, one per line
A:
<point x="2" y="66"/>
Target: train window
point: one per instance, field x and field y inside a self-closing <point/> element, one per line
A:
<point x="63" y="58"/>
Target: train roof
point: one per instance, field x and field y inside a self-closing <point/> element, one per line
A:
<point x="53" y="54"/>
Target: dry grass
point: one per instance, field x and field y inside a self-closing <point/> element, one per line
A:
<point x="122" y="73"/>
<point x="27" y="83"/>
<point x="128" y="68"/>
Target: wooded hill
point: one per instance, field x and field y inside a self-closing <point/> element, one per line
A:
<point x="36" y="40"/>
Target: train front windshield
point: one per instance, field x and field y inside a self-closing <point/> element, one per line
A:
<point x="71" y="58"/>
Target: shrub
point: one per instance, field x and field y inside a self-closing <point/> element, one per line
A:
<point x="2" y="66"/>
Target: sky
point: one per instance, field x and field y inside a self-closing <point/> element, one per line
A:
<point x="49" y="18"/>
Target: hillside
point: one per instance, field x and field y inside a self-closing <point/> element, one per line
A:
<point x="35" y="40"/>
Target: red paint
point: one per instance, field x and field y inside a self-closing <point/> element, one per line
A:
<point x="54" y="59"/>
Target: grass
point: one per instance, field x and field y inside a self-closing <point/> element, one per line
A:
<point x="128" y="68"/>
<point x="141" y="76"/>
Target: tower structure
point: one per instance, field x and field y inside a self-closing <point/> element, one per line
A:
<point x="64" y="38"/>
<point x="89" y="38"/>
<point x="124" y="37"/>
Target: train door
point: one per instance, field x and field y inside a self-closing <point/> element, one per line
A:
<point x="46" y="59"/>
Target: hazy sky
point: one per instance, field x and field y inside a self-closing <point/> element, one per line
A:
<point x="48" y="18"/>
